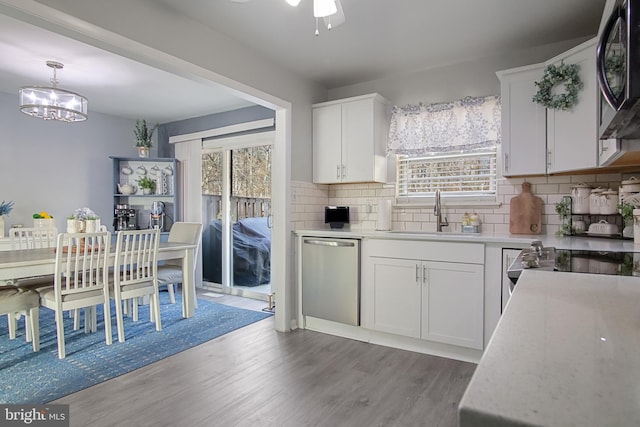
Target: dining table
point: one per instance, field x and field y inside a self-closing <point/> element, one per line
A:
<point x="18" y="264"/>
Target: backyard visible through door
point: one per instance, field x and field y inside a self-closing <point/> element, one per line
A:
<point x="236" y="241"/>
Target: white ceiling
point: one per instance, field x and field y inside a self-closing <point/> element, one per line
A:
<point x="112" y="84"/>
<point x="387" y="37"/>
<point x="380" y="38"/>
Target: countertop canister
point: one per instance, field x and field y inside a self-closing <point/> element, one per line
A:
<point x="595" y="200"/>
<point x="580" y="198"/>
<point x="609" y="202"/>
<point x="631" y="185"/>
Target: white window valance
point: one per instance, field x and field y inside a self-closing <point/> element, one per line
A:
<point x="465" y="125"/>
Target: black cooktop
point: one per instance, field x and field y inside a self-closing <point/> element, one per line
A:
<point x="598" y="262"/>
<point x="585" y="261"/>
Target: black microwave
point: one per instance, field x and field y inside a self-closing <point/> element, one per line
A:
<point x="618" y="71"/>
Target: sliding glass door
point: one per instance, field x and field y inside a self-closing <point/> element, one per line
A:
<point x="236" y="191"/>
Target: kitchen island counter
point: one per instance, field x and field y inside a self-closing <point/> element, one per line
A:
<point x="565" y="352"/>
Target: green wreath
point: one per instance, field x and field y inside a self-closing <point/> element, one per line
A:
<point x="553" y="75"/>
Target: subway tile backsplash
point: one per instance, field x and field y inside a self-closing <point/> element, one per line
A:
<point x="309" y="200"/>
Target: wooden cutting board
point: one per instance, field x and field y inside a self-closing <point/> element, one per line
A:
<point x="525" y="215"/>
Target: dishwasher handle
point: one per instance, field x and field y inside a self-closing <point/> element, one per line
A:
<point x="334" y="243"/>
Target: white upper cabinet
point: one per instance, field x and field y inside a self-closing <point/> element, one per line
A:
<point x="349" y="140"/>
<point x="537" y="140"/>
<point x="572" y="135"/>
<point x="523" y="122"/>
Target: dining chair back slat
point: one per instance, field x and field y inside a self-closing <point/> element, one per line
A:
<point x="32" y="238"/>
<point x="80" y="280"/>
<point x="135" y="274"/>
<point x="81" y="262"/>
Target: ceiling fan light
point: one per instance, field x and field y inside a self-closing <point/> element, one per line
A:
<point x="322" y="8"/>
<point x="293" y="3"/>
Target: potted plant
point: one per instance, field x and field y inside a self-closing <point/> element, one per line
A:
<point x="626" y="210"/>
<point x="43" y="219"/>
<point x="147" y="184"/>
<point x="563" y="209"/>
<point x="143" y="137"/>
<point x="80" y="219"/>
<point x="5" y="209"/>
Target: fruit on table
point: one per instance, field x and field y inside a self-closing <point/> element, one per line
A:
<point x="42" y="215"/>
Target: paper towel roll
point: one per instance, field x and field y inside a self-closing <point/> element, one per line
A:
<point x="384" y="215"/>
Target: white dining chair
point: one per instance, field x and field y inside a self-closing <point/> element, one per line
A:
<point x="30" y="238"/>
<point x="80" y="281"/>
<point x="14" y="300"/>
<point x="135" y="274"/>
<point x="170" y="273"/>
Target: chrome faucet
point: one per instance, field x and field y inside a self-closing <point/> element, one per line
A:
<point x="437" y="211"/>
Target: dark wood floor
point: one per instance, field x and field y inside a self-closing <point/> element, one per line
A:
<point x="256" y="376"/>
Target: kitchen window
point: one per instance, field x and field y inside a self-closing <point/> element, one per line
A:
<point x="451" y="147"/>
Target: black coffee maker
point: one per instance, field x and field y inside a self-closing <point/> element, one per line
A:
<point x="124" y="218"/>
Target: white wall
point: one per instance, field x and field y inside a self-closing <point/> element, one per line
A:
<point x="59" y="167"/>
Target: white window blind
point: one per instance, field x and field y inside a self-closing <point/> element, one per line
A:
<point x="460" y="174"/>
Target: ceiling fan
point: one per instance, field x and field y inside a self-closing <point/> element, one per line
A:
<point x="329" y="10"/>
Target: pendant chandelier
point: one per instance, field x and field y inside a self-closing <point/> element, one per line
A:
<point x="53" y="103"/>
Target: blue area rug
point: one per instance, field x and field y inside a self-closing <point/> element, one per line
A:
<point x="38" y="378"/>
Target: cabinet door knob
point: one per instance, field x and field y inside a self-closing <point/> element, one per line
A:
<point x="424" y="274"/>
<point x="337" y="171"/>
<point x="417" y="274"/>
<point x="506" y="162"/>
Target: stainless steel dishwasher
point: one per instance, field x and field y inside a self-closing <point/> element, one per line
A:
<point x="331" y="279"/>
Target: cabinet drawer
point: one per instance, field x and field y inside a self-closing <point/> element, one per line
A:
<point x="464" y="252"/>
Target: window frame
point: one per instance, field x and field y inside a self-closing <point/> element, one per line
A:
<point x="452" y="199"/>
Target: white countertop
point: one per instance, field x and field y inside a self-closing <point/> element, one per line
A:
<point x="505" y="239"/>
<point x="566" y="352"/>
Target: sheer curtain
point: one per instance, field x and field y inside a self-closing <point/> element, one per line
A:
<point x="465" y="125"/>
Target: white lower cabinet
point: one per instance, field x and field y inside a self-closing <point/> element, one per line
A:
<point x="396" y="296"/>
<point x="438" y="301"/>
<point x="452" y="303"/>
